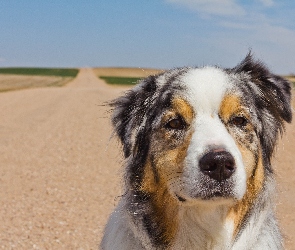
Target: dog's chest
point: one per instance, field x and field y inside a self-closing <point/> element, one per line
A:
<point x="204" y="230"/>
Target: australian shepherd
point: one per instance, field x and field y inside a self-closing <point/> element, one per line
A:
<point x="198" y="144"/>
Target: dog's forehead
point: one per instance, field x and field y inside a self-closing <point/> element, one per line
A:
<point x="205" y="88"/>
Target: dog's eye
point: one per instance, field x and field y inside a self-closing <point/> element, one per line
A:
<point x="239" y="121"/>
<point x="176" y="123"/>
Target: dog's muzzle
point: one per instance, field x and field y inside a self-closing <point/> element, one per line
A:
<point x="218" y="165"/>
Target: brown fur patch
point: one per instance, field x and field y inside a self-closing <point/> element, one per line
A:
<point x="164" y="208"/>
<point x="249" y="159"/>
<point x="254" y="186"/>
<point x="183" y="108"/>
<point x="164" y="205"/>
<point x="166" y="162"/>
<point x="231" y="104"/>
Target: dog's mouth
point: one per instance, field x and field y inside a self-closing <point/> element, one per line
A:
<point x="221" y="191"/>
<point x="216" y="195"/>
<point x="210" y="196"/>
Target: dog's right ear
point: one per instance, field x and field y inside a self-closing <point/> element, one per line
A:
<point x="129" y="112"/>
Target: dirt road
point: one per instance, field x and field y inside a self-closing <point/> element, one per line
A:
<point x="59" y="170"/>
<point x="58" y="167"/>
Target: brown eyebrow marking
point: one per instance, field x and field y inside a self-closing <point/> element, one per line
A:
<point x="183" y="108"/>
<point x="230" y="104"/>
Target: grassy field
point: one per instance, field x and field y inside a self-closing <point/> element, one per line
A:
<point x="40" y="71"/>
<point x="126" y="72"/>
<point x="23" y="78"/>
<point x="291" y="78"/>
<point x="120" y="80"/>
<point x="124" y="76"/>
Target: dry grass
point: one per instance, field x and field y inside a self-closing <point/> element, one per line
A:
<point x="16" y="82"/>
<point x="126" y="72"/>
<point x="291" y="78"/>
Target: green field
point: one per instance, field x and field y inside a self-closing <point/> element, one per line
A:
<point x="40" y="71"/>
<point x="117" y="80"/>
<point x="120" y="80"/>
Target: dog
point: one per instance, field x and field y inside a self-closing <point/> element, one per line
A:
<point x="198" y="144"/>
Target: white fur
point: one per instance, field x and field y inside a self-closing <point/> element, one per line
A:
<point x="204" y="227"/>
<point x="206" y="89"/>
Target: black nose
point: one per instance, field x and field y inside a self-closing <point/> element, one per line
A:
<point x="218" y="165"/>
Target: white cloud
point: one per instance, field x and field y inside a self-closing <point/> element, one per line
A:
<point x="238" y="27"/>
<point x="267" y="3"/>
<point x="212" y="7"/>
<point x="271" y="43"/>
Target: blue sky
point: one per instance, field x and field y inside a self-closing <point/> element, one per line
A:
<point x="149" y="33"/>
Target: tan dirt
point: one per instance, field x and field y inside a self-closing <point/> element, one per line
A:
<point x="60" y="171"/>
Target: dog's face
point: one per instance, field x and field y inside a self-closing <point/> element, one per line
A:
<point x="202" y="134"/>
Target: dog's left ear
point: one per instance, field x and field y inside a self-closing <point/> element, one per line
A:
<point x="130" y="110"/>
<point x="273" y="90"/>
<point x="271" y="95"/>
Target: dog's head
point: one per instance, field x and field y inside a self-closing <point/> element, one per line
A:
<point x="202" y="134"/>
